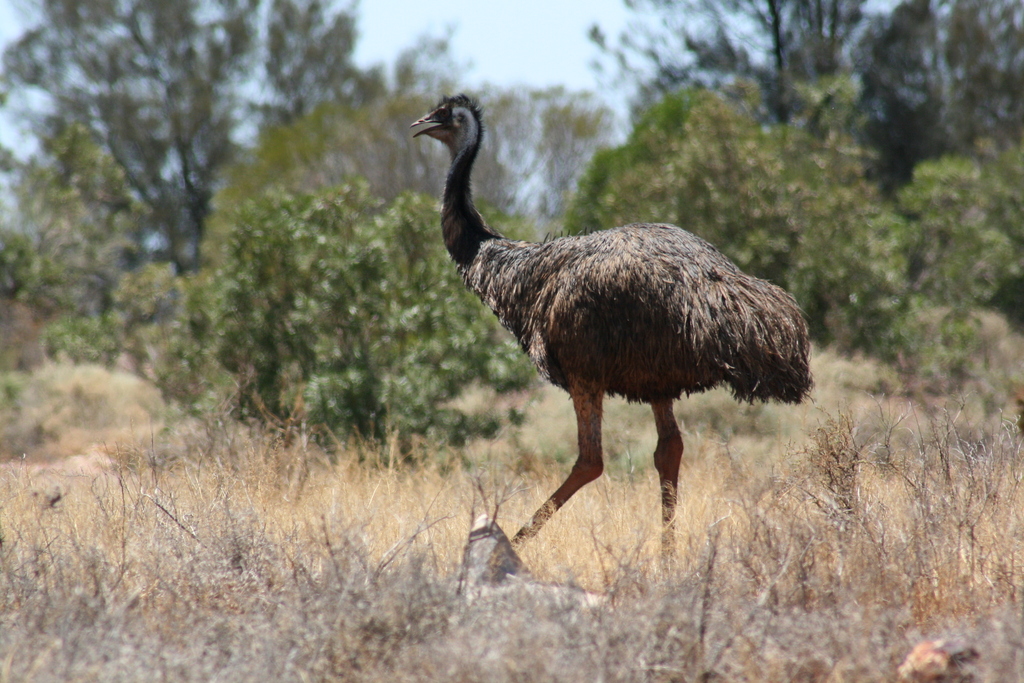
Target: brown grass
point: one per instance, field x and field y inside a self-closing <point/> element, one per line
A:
<point x="62" y="410"/>
<point x="820" y="552"/>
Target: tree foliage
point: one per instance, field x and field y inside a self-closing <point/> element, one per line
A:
<point x="709" y="43"/>
<point x="325" y="293"/>
<point x="543" y="138"/>
<point x="163" y="86"/>
<point x="537" y="144"/>
<point x="1002" y="179"/>
<point x="334" y="309"/>
<point x="71" y="241"/>
<point x="336" y="142"/>
<point x="938" y="77"/>
<point x="308" y="61"/>
<point x="335" y="306"/>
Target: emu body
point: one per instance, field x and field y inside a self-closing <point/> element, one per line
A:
<point x="645" y="311"/>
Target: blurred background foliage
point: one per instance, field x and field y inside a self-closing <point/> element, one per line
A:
<point x="223" y="203"/>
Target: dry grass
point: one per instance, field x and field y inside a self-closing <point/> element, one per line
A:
<point x="62" y="410"/>
<point x="816" y="543"/>
<point x="269" y="563"/>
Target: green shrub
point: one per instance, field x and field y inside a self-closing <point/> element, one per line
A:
<point x="332" y="308"/>
<point x="900" y="279"/>
<point x="84" y="339"/>
<point x="1002" y="181"/>
<point x="784" y="205"/>
<point x="957" y="256"/>
<point x="349" y="310"/>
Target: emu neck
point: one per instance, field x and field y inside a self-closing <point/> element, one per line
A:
<point x="463" y="226"/>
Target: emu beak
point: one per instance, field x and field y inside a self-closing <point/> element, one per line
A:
<point x="428" y="121"/>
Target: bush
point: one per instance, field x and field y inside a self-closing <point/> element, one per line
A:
<point x="84" y="339"/>
<point x="783" y="205"/>
<point x="338" y="307"/>
<point x="1002" y="180"/>
<point x="61" y="410"/>
<point x="332" y="308"/>
<point x="798" y="210"/>
<point x="957" y="256"/>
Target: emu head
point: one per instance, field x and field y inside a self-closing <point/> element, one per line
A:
<point x="456" y="122"/>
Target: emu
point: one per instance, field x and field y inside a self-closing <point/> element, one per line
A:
<point x="647" y="311"/>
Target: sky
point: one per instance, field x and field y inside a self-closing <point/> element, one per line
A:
<point x="528" y="42"/>
<point x="531" y="42"/>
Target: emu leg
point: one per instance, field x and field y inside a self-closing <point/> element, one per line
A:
<point x="588" y="467"/>
<point x="667" y="456"/>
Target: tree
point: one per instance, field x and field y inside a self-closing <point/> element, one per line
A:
<point x="537" y="144"/>
<point x="164" y="86"/>
<point x="901" y="98"/>
<point x="711" y="42"/>
<point x="308" y="61"/>
<point x="938" y="76"/>
<point x="63" y="246"/>
<point x="75" y="214"/>
<point x="960" y="254"/>
<point x="941" y="78"/>
<point x="983" y="49"/>
<point x="544" y="138"/>
<point x="335" y="141"/>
